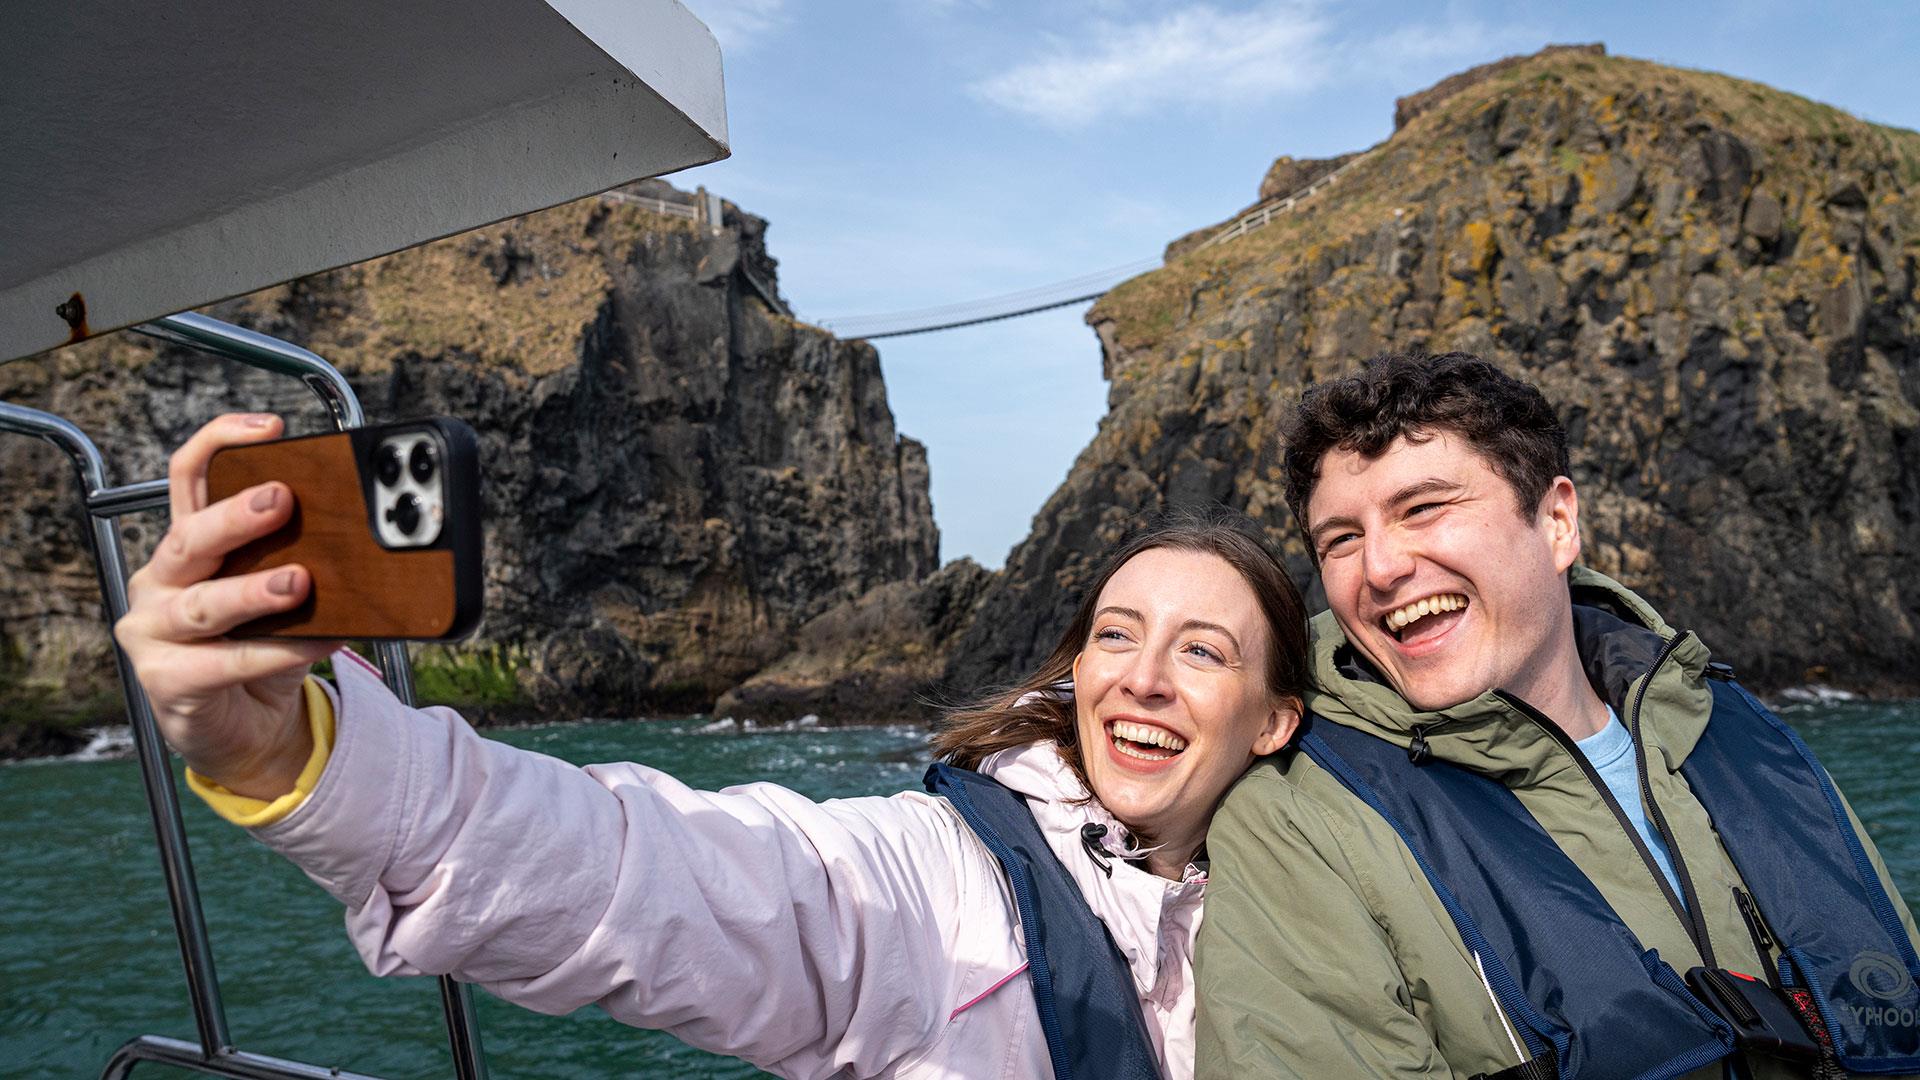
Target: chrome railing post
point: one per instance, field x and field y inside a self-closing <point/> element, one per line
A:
<point x="183" y="895"/>
<point x="197" y="331"/>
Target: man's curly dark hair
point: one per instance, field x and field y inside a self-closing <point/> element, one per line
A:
<point x="1417" y="397"/>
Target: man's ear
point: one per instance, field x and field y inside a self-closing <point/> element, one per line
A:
<point x="1282" y="721"/>
<point x="1560" y="516"/>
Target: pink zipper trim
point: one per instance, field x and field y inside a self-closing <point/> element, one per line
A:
<point x="981" y="996"/>
<point x="362" y="661"/>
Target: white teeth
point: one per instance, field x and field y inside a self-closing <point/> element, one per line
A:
<point x="1403" y="617"/>
<point x="1130" y="750"/>
<point x="1146" y="733"/>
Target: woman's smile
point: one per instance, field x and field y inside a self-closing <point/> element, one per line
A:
<point x="1143" y="746"/>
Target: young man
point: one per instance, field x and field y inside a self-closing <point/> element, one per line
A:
<point x="1527" y="809"/>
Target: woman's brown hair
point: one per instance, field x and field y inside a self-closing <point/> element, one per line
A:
<point x="1040" y="706"/>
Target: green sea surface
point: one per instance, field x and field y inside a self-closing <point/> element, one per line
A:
<point x="88" y="957"/>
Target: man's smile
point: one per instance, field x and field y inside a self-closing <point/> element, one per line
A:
<point x="1420" y="615"/>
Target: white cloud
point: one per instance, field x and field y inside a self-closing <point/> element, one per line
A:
<point x="1197" y="55"/>
<point x="739" y="24"/>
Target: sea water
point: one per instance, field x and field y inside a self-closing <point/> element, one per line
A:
<point x="88" y="957"/>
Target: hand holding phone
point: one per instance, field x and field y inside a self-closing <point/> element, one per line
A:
<point x="233" y="709"/>
<point x="233" y="561"/>
<point x="386" y="520"/>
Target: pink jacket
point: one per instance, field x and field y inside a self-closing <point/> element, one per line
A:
<point x="864" y="937"/>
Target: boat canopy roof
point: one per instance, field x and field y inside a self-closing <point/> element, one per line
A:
<point x="157" y="157"/>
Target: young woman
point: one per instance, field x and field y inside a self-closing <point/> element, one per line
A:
<point x="1036" y="916"/>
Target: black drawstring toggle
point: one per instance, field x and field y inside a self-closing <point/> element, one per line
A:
<point x="1418" y="751"/>
<point x="1090" y="836"/>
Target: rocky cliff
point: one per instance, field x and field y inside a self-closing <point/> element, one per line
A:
<point x="1714" y="281"/>
<point x="677" y="475"/>
<point x="693" y="497"/>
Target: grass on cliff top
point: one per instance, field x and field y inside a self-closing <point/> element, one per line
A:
<point x="1755" y="111"/>
<point x="450" y="294"/>
<point x="1428" y="154"/>
<point x="437" y="298"/>
<point x="1147" y="308"/>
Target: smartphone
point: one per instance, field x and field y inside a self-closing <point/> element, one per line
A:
<point x="387" y="520"/>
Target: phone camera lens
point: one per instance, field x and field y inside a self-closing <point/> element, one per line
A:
<point x="420" y="463"/>
<point x="387" y="465"/>
<point x="405" y="514"/>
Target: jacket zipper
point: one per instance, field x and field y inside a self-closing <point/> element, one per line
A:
<point x="1695" y="916"/>
<point x="1757" y="927"/>
<point x="1568" y="744"/>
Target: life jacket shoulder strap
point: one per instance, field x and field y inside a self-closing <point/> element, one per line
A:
<point x="1576" y="984"/>
<point x="1082" y="985"/>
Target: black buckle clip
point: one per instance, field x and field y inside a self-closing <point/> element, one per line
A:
<point x="1761" y="1018"/>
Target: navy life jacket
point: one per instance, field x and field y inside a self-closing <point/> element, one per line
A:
<point x="1081" y="983"/>
<point x="1568" y="973"/>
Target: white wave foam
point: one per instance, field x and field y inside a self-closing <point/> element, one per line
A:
<point x="105" y="744"/>
<point x="1817" y="694"/>
<point x="727" y="725"/>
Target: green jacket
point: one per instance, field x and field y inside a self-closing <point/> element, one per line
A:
<point x="1324" y="952"/>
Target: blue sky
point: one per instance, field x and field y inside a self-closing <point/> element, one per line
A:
<point x="915" y="153"/>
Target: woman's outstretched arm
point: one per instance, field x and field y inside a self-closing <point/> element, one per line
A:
<point x="807" y="937"/>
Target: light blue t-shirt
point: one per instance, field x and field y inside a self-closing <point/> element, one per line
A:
<point x="1611" y="751"/>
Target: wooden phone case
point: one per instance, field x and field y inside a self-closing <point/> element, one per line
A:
<point x="361" y="588"/>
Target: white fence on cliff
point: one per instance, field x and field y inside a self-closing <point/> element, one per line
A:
<point x="1261" y="216"/>
<point x="690" y="211"/>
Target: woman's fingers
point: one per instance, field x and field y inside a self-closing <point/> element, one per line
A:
<point x="186" y="675"/>
<point x="161" y="620"/>
<point x="262" y="658"/>
<point x="211" y="608"/>
<point x="197" y="541"/>
<point x="187" y="468"/>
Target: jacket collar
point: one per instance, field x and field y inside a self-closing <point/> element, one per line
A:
<point x="1146" y="914"/>
<point x="1629" y="653"/>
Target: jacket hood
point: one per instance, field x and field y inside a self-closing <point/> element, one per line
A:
<point x="1621" y="640"/>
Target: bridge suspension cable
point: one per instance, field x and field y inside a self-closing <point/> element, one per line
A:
<point x="987" y="309"/>
<point x="1073" y="290"/>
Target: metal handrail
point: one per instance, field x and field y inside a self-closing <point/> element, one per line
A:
<point x="215" y="1053"/>
<point x="197" y="331"/>
<point x="162" y="801"/>
<point x="229" y="1062"/>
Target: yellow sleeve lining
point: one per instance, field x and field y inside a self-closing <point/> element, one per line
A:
<point x="252" y="813"/>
